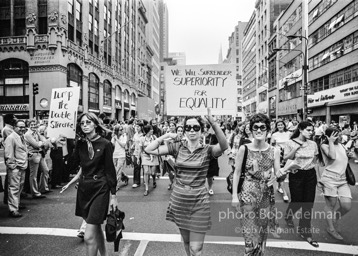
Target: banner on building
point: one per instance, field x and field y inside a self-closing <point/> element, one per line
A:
<point x="63" y="112"/>
<point x="190" y="90"/>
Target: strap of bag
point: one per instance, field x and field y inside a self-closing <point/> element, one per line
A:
<point x="243" y="166"/>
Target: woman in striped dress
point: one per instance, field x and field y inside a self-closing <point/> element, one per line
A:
<point x="189" y="206"/>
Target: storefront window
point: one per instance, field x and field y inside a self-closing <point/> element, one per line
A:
<point x="14" y="81"/>
<point x="93" y="91"/>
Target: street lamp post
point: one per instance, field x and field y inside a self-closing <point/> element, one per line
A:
<point x="304" y="71"/>
<point x="305" y="74"/>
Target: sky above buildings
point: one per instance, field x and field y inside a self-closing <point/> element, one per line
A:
<point x="200" y="27"/>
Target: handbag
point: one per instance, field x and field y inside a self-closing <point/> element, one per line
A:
<point x="114" y="224"/>
<point x="128" y="158"/>
<point x="230" y="178"/>
<point x="351" y="180"/>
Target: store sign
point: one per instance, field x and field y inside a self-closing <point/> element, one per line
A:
<point x="13" y="80"/>
<point x="14" y="107"/>
<point x="63" y="112"/>
<point x="193" y="89"/>
<point x="288" y="107"/>
<point x="334" y="95"/>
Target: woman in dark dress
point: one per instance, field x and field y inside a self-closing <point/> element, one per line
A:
<point x="94" y="154"/>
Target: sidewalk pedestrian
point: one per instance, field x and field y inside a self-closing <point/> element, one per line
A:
<point x="189" y="206"/>
<point x="16" y="162"/>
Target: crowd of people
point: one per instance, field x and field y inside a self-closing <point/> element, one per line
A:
<point x="286" y="152"/>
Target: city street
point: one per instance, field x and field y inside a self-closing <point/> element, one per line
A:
<point x="49" y="226"/>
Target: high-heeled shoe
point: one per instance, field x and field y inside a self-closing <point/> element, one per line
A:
<point x="125" y="179"/>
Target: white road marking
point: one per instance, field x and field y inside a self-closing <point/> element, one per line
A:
<point x="141" y="248"/>
<point x="152" y="237"/>
<point x="167" y="178"/>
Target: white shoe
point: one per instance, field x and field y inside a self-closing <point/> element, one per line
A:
<point x="280" y="190"/>
<point x="211" y="192"/>
<point x="135" y="186"/>
<point x="285" y="199"/>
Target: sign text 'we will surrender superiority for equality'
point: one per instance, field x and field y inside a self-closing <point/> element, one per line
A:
<point x="190" y="90"/>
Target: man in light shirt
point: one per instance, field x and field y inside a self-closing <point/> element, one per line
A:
<point x="16" y="163"/>
<point x="36" y="144"/>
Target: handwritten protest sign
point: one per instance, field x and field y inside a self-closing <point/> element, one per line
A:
<point x="63" y="112"/>
<point x="190" y="90"/>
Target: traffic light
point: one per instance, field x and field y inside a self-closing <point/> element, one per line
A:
<point x="285" y="85"/>
<point x="35" y="89"/>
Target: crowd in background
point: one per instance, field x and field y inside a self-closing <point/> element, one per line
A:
<point x="43" y="164"/>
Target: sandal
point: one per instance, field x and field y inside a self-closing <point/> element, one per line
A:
<point x="310" y="241"/>
<point x="146" y="193"/>
<point x="335" y="234"/>
<point x="169" y="186"/>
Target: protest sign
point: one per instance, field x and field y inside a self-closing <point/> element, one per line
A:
<point x="63" y="112"/>
<point x="190" y="90"/>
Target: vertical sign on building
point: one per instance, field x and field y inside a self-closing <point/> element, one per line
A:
<point x="63" y="112"/>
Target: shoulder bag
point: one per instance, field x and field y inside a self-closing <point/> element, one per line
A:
<point x="351" y="180"/>
<point x="230" y="178"/>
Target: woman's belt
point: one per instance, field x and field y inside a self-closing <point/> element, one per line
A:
<point x="94" y="177"/>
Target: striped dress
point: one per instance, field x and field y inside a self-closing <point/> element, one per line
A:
<point x="189" y="206"/>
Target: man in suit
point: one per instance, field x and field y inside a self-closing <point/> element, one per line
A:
<point x="16" y="163"/>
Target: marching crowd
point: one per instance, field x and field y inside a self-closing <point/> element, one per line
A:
<point x="286" y="152"/>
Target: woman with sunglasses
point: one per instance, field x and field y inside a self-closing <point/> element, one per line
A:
<point x="279" y="139"/>
<point x="97" y="185"/>
<point x="189" y="205"/>
<point x="333" y="181"/>
<point x="302" y="182"/>
<point x="256" y="198"/>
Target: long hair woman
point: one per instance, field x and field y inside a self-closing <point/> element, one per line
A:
<point x="302" y="182"/>
<point x="97" y="184"/>
<point x="189" y="206"/>
<point x="136" y="153"/>
<point x="257" y="193"/>
<point x="279" y="139"/>
<point x="333" y="182"/>
<point x="149" y="162"/>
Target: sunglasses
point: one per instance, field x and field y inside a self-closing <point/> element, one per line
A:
<point x="189" y="127"/>
<point x="88" y="122"/>
<point x="261" y="127"/>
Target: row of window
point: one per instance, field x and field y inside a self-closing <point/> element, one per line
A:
<point x="321" y="8"/>
<point x="337" y="21"/>
<point x="338" y="78"/>
<point x="342" y="47"/>
<point x="291" y="66"/>
<point x="291" y="21"/>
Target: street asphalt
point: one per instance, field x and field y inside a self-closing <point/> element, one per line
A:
<point x="49" y="227"/>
